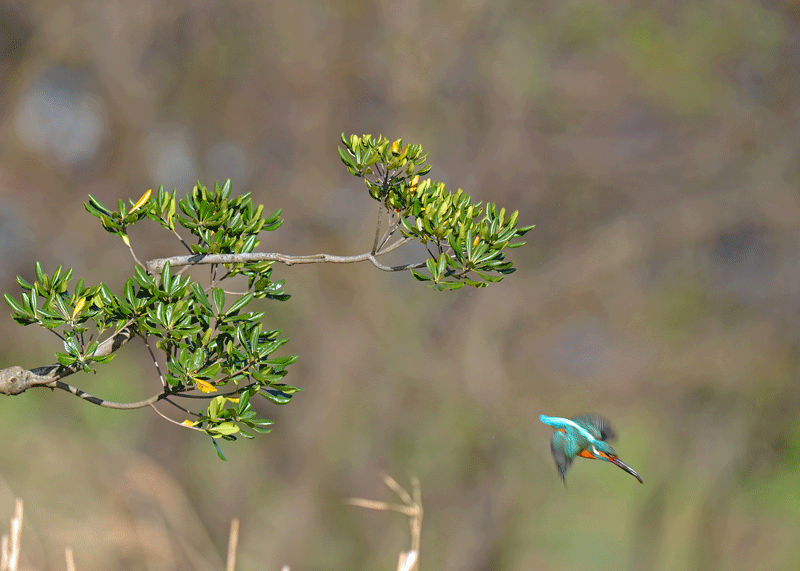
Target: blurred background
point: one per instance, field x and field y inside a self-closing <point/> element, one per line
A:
<point x="654" y="144"/>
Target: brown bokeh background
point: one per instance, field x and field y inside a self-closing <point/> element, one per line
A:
<point x="654" y="144"/>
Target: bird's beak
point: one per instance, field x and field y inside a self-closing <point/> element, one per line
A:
<point x="617" y="462"/>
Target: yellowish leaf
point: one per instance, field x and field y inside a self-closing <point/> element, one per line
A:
<point x="188" y="422"/>
<point x="78" y="307"/>
<point x="145" y="197"/>
<point x="205" y="386"/>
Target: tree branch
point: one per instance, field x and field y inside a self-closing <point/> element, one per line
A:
<point x="16" y="380"/>
<point x="154" y="267"/>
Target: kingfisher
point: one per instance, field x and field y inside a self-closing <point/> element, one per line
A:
<point x="584" y="435"/>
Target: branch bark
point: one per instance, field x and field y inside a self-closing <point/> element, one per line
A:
<point x="154" y="267"/>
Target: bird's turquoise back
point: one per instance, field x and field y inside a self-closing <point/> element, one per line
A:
<point x="596" y="425"/>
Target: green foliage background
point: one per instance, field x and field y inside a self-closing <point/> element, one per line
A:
<point x="653" y="145"/>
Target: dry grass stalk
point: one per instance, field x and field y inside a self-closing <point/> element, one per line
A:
<point x="9" y="559"/>
<point x="70" y="559"/>
<point x="233" y="545"/>
<point x="411" y="507"/>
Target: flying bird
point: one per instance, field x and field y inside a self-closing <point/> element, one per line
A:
<point x="585" y="436"/>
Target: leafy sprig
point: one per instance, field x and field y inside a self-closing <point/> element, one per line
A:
<point x="464" y="239"/>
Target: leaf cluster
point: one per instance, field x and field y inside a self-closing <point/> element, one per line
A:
<point x="226" y="422"/>
<point x="207" y="340"/>
<point x="465" y="240"/>
<point x="49" y="303"/>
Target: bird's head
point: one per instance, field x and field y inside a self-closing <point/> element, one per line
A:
<point x="603" y="451"/>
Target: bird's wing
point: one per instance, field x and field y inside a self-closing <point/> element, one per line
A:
<point x="558" y="448"/>
<point x="570" y="442"/>
<point x="597" y="426"/>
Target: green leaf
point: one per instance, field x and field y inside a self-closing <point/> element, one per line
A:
<point x="166" y="277"/>
<point x="97" y="205"/>
<point x="218" y="295"/>
<point x="245" y="299"/>
<point x="431" y="264"/>
<point x="219" y="451"/>
<point x="283" y="361"/>
<point x="442" y="265"/>
<point x="346" y="158"/>
<point x="109" y="225"/>
<point x="106" y="294"/>
<point x="65" y="359"/>
<point x="143" y="278"/>
<point x="276" y="396"/>
<point x="130" y="295"/>
<point x="200" y="296"/>
<point x="215" y="406"/>
<point x="489" y="277"/>
<point x="225" y="428"/>
<point x="14" y="304"/>
<point x="244" y="400"/>
<point x="246" y="435"/>
<point x="58" y="301"/>
<point x="257" y="427"/>
<point x="23" y="284"/>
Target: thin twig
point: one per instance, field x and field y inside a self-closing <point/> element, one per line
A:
<point x="393" y="226"/>
<point x="375" y="246"/>
<point x="395" y="245"/>
<point x="380" y="266"/>
<point x="179" y="407"/>
<point x="165" y="417"/>
<point x="130" y="248"/>
<point x="54" y="332"/>
<point x="185" y="245"/>
<point x="155" y="363"/>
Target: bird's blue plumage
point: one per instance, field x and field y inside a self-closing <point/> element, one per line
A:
<point x="583" y="435"/>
